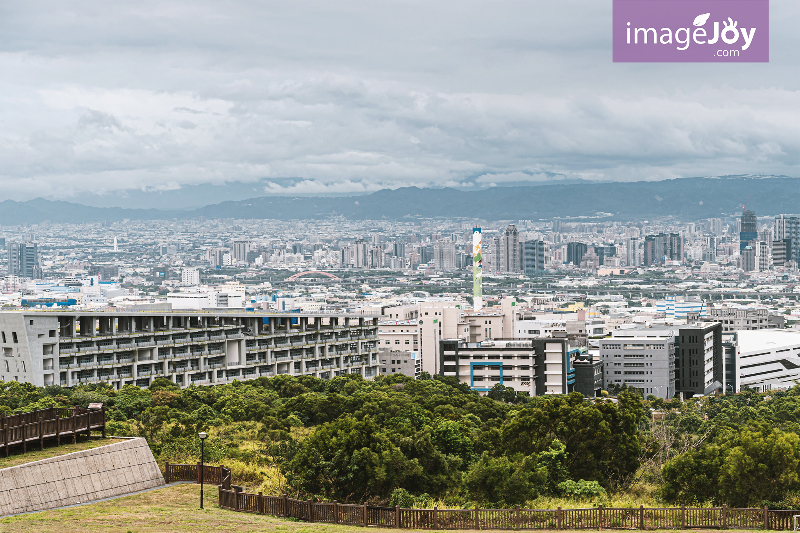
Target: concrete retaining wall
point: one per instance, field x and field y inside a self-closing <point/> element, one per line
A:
<point x="79" y="477"/>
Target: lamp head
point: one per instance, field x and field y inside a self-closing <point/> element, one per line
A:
<point x="202" y="435"/>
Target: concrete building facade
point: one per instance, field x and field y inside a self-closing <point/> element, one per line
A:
<point x="133" y="348"/>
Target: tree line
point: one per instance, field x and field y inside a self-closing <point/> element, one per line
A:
<point x="403" y="441"/>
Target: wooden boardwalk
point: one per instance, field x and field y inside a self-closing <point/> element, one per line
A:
<point x="31" y="429"/>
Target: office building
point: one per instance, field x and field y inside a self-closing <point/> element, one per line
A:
<point x="23" y="260"/>
<point x="643" y="359"/>
<point x="748" y="229"/>
<point x="537" y="366"/>
<point x="575" y="252"/>
<point x="604" y="252"/>
<point x="700" y="365"/>
<point x="535" y="256"/>
<point x="679" y="307"/>
<point x="787" y="228"/>
<point x="766" y="359"/>
<point x="133" y="348"/>
<point x="781" y="252"/>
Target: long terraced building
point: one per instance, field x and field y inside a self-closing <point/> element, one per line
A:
<point x="133" y="348"/>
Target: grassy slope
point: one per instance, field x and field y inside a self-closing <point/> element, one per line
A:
<point x="18" y="458"/>
<point x="173" y="509"/>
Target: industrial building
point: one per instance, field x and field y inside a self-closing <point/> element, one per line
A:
<point x="133" y="348"/>
<point x="766" y="359"/>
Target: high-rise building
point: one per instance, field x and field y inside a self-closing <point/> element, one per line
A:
<point x="23" y="260"/>
<point x="632" y="257"/>
<point x="603" y="252"/>
<point x="663" y="247"/>
<point x="239" y="250"/>
<point x="575" y="252"/>
<point x="444" y="255"/>
<point x="535" y="255"/>
<point x="509" y="251"/>
<point x="748" y="229"/>
<point x="787" y="228"/>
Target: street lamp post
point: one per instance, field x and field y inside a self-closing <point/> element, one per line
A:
<point x="202" y="436"/>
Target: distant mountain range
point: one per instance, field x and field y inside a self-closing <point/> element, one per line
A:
<point x="686" y="199"/>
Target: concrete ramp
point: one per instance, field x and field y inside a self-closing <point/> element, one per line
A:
<point x="79" y="477"/>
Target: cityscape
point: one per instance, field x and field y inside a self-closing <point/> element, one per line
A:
<point x="401" y="265"/>
<point x="584" y="284"/>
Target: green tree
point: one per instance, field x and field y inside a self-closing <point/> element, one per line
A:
<point x="505" y="481"/>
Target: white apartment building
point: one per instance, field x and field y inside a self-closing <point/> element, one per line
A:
<point x="399" y="340"/>
<point x="190" y="276"/>
<point x="133" y="348"/>
<point x="640" y="358"/>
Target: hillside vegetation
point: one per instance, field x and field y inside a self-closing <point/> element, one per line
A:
<point x="414" y="443"/>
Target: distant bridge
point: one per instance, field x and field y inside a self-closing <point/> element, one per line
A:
<point x="301" y="274"/>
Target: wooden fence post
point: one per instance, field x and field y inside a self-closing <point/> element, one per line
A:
<point x="24" y="434"/>
<point x="641" y="516"/>
<point x="366" y="520"/>
<point x="166" y="473"/>
<point x="766" y="518"/>
<point x="103" y="411"/>
<point x="41" y="434"/>
<point x="435" y="517"/>
<point x="724" y="517"/>
<point x="74" y="426"/>
<point x="397" y="516"/>
<point x="335" y="512"/>
<point x="600" y="517"/>
<point x="58" y="429"/>
<point x="558" y="517"/>
<point x="477" y="519"/>
<point x="517" y="518"/>
<point x="260" y="503"/>
<point x="310" y="511"/>
<point x="286" y="505"/>
<point x="683" y="517"/>
<point x="235" y="498"/>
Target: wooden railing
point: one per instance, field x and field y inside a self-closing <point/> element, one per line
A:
<point x="234" y="498"/>
<point x="55" y="422"/>
<point x="592" y="518"/>
<point x="213" y="475"/>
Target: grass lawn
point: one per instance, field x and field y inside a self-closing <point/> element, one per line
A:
<point x="172" y="509"/>
<point x="16" y="456"/>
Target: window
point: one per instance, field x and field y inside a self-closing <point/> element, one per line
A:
<point x="4" y="336"/>
<point x="397" y="341"/>
<point x="31" y="322"/>
<point x="406" y="341"/>
<point x="14" y="336"/>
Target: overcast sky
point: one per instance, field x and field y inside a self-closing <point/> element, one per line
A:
<point x="356" y="96"/>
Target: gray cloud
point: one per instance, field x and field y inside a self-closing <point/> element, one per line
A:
<point x="356" y="96"/>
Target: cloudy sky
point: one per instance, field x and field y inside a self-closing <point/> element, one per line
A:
<point x="340" y="96"/>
